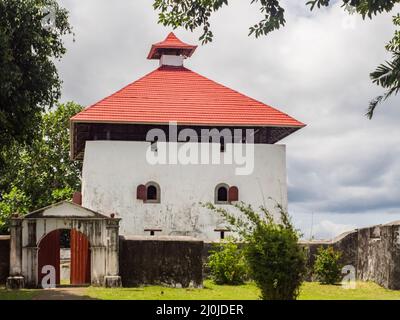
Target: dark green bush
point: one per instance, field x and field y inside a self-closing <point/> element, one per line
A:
<point x="227" y="263"/>
<point x="276" y="261"/>
<point x="327" y="266"/>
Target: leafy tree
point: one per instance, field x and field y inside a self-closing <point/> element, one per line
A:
<point x="192" y="14"/>
<point x="276" y="261"/>
<point x="227" y="263"/>
<point x="40" y="173"/>
<point x="29" y="82"/>
<point x="15" y="200"/>
<point x="327" y="265"/>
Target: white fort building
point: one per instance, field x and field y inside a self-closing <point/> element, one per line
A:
<point x="145" y="150"/>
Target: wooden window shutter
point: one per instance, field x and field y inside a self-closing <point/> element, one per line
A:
<point x="141" y="192"/>
<point x="233" y="194"/>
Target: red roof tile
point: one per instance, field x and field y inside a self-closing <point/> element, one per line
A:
<point x="179" y="94"/>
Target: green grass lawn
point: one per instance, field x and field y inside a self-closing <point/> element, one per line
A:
<point x="309" y="291"/>
<point x="363" y="291"/>
<point x="210" y="292"/>
<point x="24" y="294"/>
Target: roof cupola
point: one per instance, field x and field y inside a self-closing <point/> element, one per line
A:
<point x="171" y="51"/>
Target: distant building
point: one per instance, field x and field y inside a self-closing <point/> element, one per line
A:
<point x="113" y="137"/>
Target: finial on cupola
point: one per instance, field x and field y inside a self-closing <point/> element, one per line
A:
<point x="171" y="51"/>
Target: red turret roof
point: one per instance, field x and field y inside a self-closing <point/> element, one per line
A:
<point x="171" y="44"/>
<point x="179" y="94"/>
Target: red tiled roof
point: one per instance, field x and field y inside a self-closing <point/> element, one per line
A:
<point x="179" y="94"/>
<point x="171" y="42"/>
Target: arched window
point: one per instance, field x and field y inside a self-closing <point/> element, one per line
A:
<point x="224" y="194"/>
<point x="149" y="193"/>
<point x="221" y="193"/>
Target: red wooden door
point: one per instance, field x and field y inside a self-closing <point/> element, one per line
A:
<point x="49" y="254"/>
<point x="80" y="258"/>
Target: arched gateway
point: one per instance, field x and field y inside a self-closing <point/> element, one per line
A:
<point x="94" y="245"/>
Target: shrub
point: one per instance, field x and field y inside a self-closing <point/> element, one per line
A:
<point x="227" y="263"/>
<point x="327" y="267"/>
<point x="276" y="261"/>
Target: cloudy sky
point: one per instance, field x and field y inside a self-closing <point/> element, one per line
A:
<point x="343" y="170"/>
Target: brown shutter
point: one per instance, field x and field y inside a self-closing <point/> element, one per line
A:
<point x="141" y="192"/>
<point x="233" y="194"/>
<point x="77" y="198"/>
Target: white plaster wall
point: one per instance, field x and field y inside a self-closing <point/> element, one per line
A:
<point x="112" y="170"/>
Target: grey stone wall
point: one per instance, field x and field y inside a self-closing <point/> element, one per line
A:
<point x="153" y="260"/>
<point x="4" y="258"/>
<point x="347" y="243"/>
<point x="373" y="251"/>
<point x="379" y="255"/>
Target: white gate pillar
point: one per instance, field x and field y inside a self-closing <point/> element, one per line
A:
<point x="16" y="279"/>
<point x="112" y="278"/>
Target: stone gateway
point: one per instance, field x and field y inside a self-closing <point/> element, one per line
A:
<point x="29" y="233"/>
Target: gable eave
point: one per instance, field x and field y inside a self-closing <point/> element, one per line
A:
<point x="37" y="214"/>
